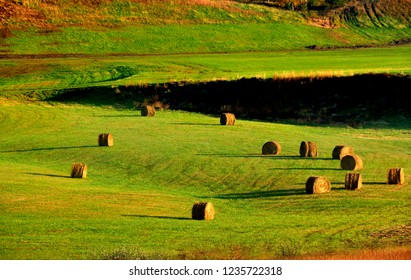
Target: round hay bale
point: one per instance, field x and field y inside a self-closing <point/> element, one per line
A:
<point x="79" y="170"/>
<point x="308" y="149"/>
<point x="105" y="139"/>
<point x="353" y="181"/>
<point x="317" y="184"/>
<point x="202" y="211"/>
<point x="227" y="119"/>
<point x="341" y="151"/>
<point x="396" y="176"/>
<point x="148" y="111"/>
<point x="351" y="162"/>
<point x="271" y="148"/>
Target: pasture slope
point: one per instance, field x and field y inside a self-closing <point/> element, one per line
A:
<point x="178" y="26"/>
<point x="70" y="73"/>
<point x="136" y="200"/>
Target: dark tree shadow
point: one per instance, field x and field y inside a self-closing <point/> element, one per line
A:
<point x="156" y="217"/>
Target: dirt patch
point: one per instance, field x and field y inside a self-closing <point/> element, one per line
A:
<point x="401" y="235"/>
<point x="323" y="22"/>
<point x="397" y="253"/>
<point x="400" y="42"/>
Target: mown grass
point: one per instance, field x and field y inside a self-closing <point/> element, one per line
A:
<point x="40" y="74"/>
<point x="136" y="201"/>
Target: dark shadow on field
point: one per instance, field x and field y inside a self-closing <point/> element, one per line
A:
<point x="121" y="116"/>
<point x="260" y="194"/>
<point x="156" y="217"/>
<point x="305" y="168"/>
<point x="302" y="158"/>
<point x="375" y="183"/>
<point x="264" y="156"/>
<point x="48" y="149"/>
<point x="199" y="124"/>
<point x="48" y="175"/>
<point x="232" y="156"/>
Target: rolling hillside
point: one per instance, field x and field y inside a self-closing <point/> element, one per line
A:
<point x="178" y="26"/>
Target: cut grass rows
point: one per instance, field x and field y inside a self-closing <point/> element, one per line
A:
<point x="41" y="74"/>
<point x="138" y="195"/>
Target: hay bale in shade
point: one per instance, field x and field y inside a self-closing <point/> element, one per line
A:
<point x="341" y="151"/>
<point x="78" y="170"/>
<point x="271" y="148"/>
<point x="308" y="149"/>
<point x="227" y="119"/>
<point x="351" y="162"/>
<point x="396" y="176"/>
<point x="105" y="139"/>
<point x="353" y="181"/>
<point x="202" y="211"/>
<point x="148" y="111"/>
<point x="317" y="184"/>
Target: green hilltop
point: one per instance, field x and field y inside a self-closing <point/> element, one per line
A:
<point x="197" y="26"/>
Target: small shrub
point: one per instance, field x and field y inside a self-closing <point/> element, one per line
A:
<point x="289" y="248"/>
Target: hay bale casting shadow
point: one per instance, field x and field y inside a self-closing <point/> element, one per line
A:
<point x="148" y="111"/>
<point x="396" y="176"/>
<point x="227" y="119"/>
<point x="78" y="170"/>
<point x="308" y="149"/>
<point x="317" y="184"/>
<point x="351" y="162"/>
<point x="341" y="151"/>
<point x="202" y="211"/>
<point x="271" y="148"/>
<point x="105" y="139"/>
<point x="353" y="181"/>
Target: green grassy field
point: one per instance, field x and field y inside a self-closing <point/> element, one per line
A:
<point x="136" y="200"/>
<point x="42" y="74"/>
